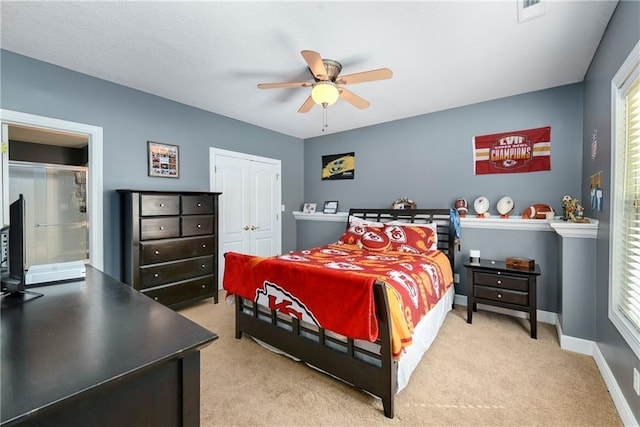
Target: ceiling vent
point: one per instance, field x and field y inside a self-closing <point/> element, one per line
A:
<point x="529" y="9"/>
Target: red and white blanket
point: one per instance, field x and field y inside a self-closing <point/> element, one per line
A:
<point x="332" y="287"/>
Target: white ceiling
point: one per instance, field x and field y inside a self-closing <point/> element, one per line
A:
<point x="211" y="54"/>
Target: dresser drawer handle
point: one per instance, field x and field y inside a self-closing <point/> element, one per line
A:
<point x="499" y="282"/>
<point x="499" y="272"/>
<point x="161" y="228"/>
<point x="202" y="265"/>
<point x="156" y="252"/>
<point x="156" y="275"/>
<point x="155" y="298"/>
<point x="199" y="205"/>
<point x="204" y="286"/>
<point x="162" y="205"/>
<point x="499" y="295"/>
<point x="204" y="245"/>
<point x="199" y="225"/>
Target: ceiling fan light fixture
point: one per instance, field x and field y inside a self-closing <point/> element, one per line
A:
<point x="325" y="93"/>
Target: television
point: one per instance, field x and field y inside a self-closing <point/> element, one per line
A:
<point x="13" y="281"/>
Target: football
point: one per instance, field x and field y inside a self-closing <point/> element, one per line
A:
<point x="537" y="211"/>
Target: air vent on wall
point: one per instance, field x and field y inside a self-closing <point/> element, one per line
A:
<point x="529" y="9"/>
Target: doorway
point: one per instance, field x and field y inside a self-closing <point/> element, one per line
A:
<point x="94" y="178"/>
<point x="250" y="204"/>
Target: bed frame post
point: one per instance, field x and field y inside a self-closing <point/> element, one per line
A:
<point x="238" y="310"/>
<point x="389" y="366"/>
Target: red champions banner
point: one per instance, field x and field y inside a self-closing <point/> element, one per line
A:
<point x="512" y="152"/>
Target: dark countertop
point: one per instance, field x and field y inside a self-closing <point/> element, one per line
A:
<point x="83" y="335"/>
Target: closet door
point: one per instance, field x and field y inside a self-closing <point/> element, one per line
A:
<point x="264" y="215"/>
<point x="250" y="217"/>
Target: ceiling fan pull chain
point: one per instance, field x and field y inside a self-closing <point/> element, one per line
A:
<point x="324" y="117"/>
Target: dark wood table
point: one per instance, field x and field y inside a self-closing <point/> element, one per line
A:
<point x="96" y="352"/>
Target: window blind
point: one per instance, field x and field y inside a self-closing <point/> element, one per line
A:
<point x="629" y="288"/>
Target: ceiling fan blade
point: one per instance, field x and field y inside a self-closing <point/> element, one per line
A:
<point x="281" y="85"/>
<point x="306" y="106"/>
<point x="353" y="99"/>
<point x="365" y="76"/>
<point x="314" y="60"/>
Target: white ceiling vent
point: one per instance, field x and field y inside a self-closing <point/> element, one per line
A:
<point x="529" y="9"/>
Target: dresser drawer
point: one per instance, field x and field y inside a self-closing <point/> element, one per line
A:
<point x="153" y="252"/>
<point x="159" y="228"/>
<point x="183" y="291"/>
<point x="196" y="225"/>
<point x="502" y="295"/>
<point x="160" y="274"/>
<point x="501" y="281"/>
<point x="159" y="204"/>
<point x="197" y="205"/>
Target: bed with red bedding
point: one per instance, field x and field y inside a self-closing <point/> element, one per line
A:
<point x="352" y="308"/>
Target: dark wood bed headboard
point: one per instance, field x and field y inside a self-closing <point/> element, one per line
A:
<point x="441" y="217"/>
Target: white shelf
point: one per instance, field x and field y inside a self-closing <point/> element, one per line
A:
<point x="319" y="216"/>
<point x="564" y="228"/>
<point x="576" y="229"/>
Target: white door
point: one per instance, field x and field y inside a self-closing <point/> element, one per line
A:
<point x="250" y="215"/>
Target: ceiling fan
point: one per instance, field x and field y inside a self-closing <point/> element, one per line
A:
<point x="327" y="84"/>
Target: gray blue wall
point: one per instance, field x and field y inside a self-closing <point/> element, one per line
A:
<point x="129" y="119"/>
<point x="621" y="36"/>
<point x="429" y="159"/>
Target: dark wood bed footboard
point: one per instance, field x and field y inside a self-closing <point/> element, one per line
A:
<point x="375" y="373"/>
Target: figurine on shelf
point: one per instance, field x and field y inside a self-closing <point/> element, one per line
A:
<point x="462" y="207"/>
<point x="572" y="211"/>
<point x="505" y="206"/>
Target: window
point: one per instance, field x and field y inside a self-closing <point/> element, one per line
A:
<point x="624" y="286"/>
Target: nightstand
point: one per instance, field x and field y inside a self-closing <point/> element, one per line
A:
<point x="492" y="282"/>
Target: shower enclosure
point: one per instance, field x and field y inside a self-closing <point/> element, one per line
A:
<point x="57" y="226"/>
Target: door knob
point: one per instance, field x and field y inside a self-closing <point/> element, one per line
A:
<point x="255" y="227"/>
<point x="246" y="227"/>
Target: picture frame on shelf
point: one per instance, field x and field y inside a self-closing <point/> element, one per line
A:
<point x="330" y="207"/>
<point x="309" y="208"/>
<point x="163" y="160"/>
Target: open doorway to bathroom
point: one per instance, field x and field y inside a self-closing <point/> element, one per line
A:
<point x="50" y="169"/>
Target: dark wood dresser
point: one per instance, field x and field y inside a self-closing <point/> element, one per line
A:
<point x="170" y="244"/>
<point x="492" y="282"/>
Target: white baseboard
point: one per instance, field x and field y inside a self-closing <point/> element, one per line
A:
<point x="624" y="410"/>
<point x="577" y="345"/>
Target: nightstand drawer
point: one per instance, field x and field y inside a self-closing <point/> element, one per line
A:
<point x="159" y="228"/>
<point x="159" y="204"/>
<point x="502" y="281"/>
<point x="502" y="295"/>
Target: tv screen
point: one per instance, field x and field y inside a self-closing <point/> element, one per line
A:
<point x="17" y="243"/>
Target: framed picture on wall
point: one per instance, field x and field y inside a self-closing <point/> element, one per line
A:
<point x="330" y="207"/>
<point x="309" y="208"/>
<point x="163" y="160"/>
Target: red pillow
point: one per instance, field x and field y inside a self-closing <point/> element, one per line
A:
<point x="375" y="240"/>
<point x="354" y="233"/>
<point x="357" y="228"/>
<point x="414" y="238"/>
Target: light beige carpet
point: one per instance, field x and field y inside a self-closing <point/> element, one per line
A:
<point x="490" y="373"/>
